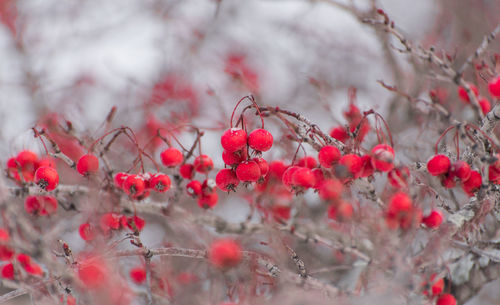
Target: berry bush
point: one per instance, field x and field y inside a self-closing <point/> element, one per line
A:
<point x="217" y="181"/>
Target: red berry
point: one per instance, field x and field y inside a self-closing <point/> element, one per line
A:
<point x="437" y="286"/>
<point x="248" y="171"/>
<point x="226" y="180"/>
<point x="47" y="178"/>
<point x="47" y="161"/>
<point x="225" y="253"/>
<point x="281" y="212"/>
<point x="303" y="178"/>
<point x="233" y="139"/>
<point x="171" y="157"/>
<point x="448" y="181"/>
<point x="433" y="220"/>
<point x="276" y="169"/>
<point x="134" y="185"/>
<point x="484" y="104"/>
<point x="473" y="183"/>
<point x="86" y="231"/>
<point x="120" y="179"/>
<point x="260" y="140"/>
<point x="446" y="299"/>
<point x="40" y="205"/>
<point x="341" y="211"/>
<point x="494" y="87"/>
<point x="234" y="158"/>
<point x="134" y="222"/>
<point x="6" y="253"/>
<point x="160" y="182"/>
<point x="110" y="221"/>
<point x="4" y="236"/>
<point x="87" y="164"/>
<point x="400" y="212"/>
<point x="203" y="164"/>
<point x="193" y="188"/>
<point x="462" y="93"/>
<point x="27" y="160"/>
<point x="208" y="200"/>
<point x="262" y="163"/>
<point x="439" y="164"/>
<point x="398" y="177"/>
<point x="331" y="189"/>
<point x="383" y="157"/>
<point x="138" y="275"/>
<point x="187" y="171"/>
<point x="319" y="177"/>
<point x="461" y="170"/>
<point x="367" y="168"/>
<point x="328" y="156"/>
<point x="286" y="178"/>
<point x="308" y="161"/>
<point x="92" y="273"/>
<point x="8" y="271"/>
<point x="339" y="133"/>
<point x="352" y="163"/>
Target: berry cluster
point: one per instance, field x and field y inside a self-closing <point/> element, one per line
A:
<point x="450" y="174"/>
<point x="10" y="270"/>
<point x="26" y="167"/>
<point x="139" y="186"/>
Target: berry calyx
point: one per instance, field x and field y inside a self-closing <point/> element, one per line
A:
<point x="134" y="185"/>
<point x="433" y="220"/>
<point x="87" y="164"/>
<point x="248" y="171"/>
<point x="226" y="180"/>
<point x="439" y="164"/>
<point x="233" y="139"/>
<point x="225" y="253"/>
<point x="160" y="182"/>
<point x="383" y="157"/>
<point x="171" y="157"/>
<point x="328" y="156"/>
<point x="47" y="178"/>
<point x="203" y="164"/>
<point x="260" y="140"/>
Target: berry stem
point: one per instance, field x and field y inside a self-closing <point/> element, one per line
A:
<point x="252" y="100"/>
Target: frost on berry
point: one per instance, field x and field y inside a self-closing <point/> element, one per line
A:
<point x="260" y="140"/>
<point x="233" y="139"/>
<point x="383" y="157"/>
<point x="47" y="178"/>
<point x="328" y="156"/>
<point x="87" y="164"/>
<point x="439" y="164"/>
<point x="226" y="180"/>
<point x="248" y="171"/>
<point x="171" y="157"/>
<point x="433" y="220"/>
<point x="203" y="164"/>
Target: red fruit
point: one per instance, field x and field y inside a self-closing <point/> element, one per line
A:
<point x="226" y="180"/>
<point x="135" y="222"/>
<point x="461" y="170"/>
<point x="110" y="221"/>
<point x="4" y="236"/>
<point x="339" y="133"/>
<point x="303" y="178"/>
<point x="328" y="156"/>
<point x="367" y="167"/>
<point x="47" y="161"/>
<point x="286" y="178"/>
<point x="160" y="182"/>
<point x="87" y="164"/>
<point x="308" y="162"/>
<point x="276" y="169"/>
<point x="448" y="181"/>
<point x="493" y="174"/>
<point x="248" y="171"/>
<point x="234" y="158"/>
<point x="33" y="269"/>
<point x="462" y="93"/>
<point x="171" y="157"/>
<point x="400" y="212"/>
<point x="383" y="157"/>
<point x="281" y="212"/>
<point x="341" y="211"/>
<point x="92" y="273"/>
<point x="233" y="139"/>
<point x="473" y="183"/>
<point x="330" y="189"/>
<point x="138" y="275"/>
<point x="6" y="253"/>
<point x="86" y="231"/>
<point x="439" y="164"/>
<point x="40" y="205"/>
<point x="120" y="179"/>
<point x="437" y="286"/>
<point x="433" y="220"/>
<point x="193" y="188"/>
<point x="485" y="105"/>
<point x="225" y="253"/>
<point x="352" y="163"/>
<point x="8" y="271"/>
<point x="260" y="140"/>
<point x="446" y="299"/>
<point x="27" y="160"/>
<point x="203" y="164"/>
<point x="398" y="177"/>
<point x="187" y="171"/>
<point x="134" y="185"/>
<point x="208" y="201"/>
<point x="47" y="178"/>
<point x="262" y="163"/>
<point x="319" y="177"/>
<point x="494" y="87"/>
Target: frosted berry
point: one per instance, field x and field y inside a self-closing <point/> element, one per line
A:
<point x="208" y="201"/>
<point x="439" y="164"/>
<point x="383" y="157"/>
<point x="308" y="161"/>
<point x="186" y="171"/>
<point x="328" y="156"/>
<point x="47" y="178"/>
<point x="248" y="171"/>
<point x="260" y="140"/>
<point x="171" y="157"/>
<point x="446" y="299"/>
<point x="47" y="161"/>
<point x="133" y="223"/>
<point x="473" y="183"/>
<point x="352" y="163"/>
<point x="120" y="179"/>
<point x="367" y="168"/>
<point x="433" y="220"/>
<point x="339" y="133"/>
<point x="226" y="180"/>
<point x="86" y="231"/>
<point x="27" y="160"/>
<point x="276" y="169"/>
<point x="7" y="271"/>
<point x="225" y="253"/>
<point x="193" y="188"/>
<point x="494" y="87"/>
<point x="462" y="93"/>
<point x="461" y="170"/>
<point x="109" y="221"/>
<point x="233" y="139"/>
<point x="264" y="167"/>
<point x="40" y="205"/>
<point x="303" y="178"/>
<point x="203" y="164"/>
<point x="286" y="178"/>
<point x="234" y="158"/>
<point x="134" y="185"/>
<point x="138" y="275"/>
<point x="319" y="177"/>
<point x="330" y="189"/>
<point x="400" y="212"/>
<point x="87" y="164"/>
<point x="160" y="182"/>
